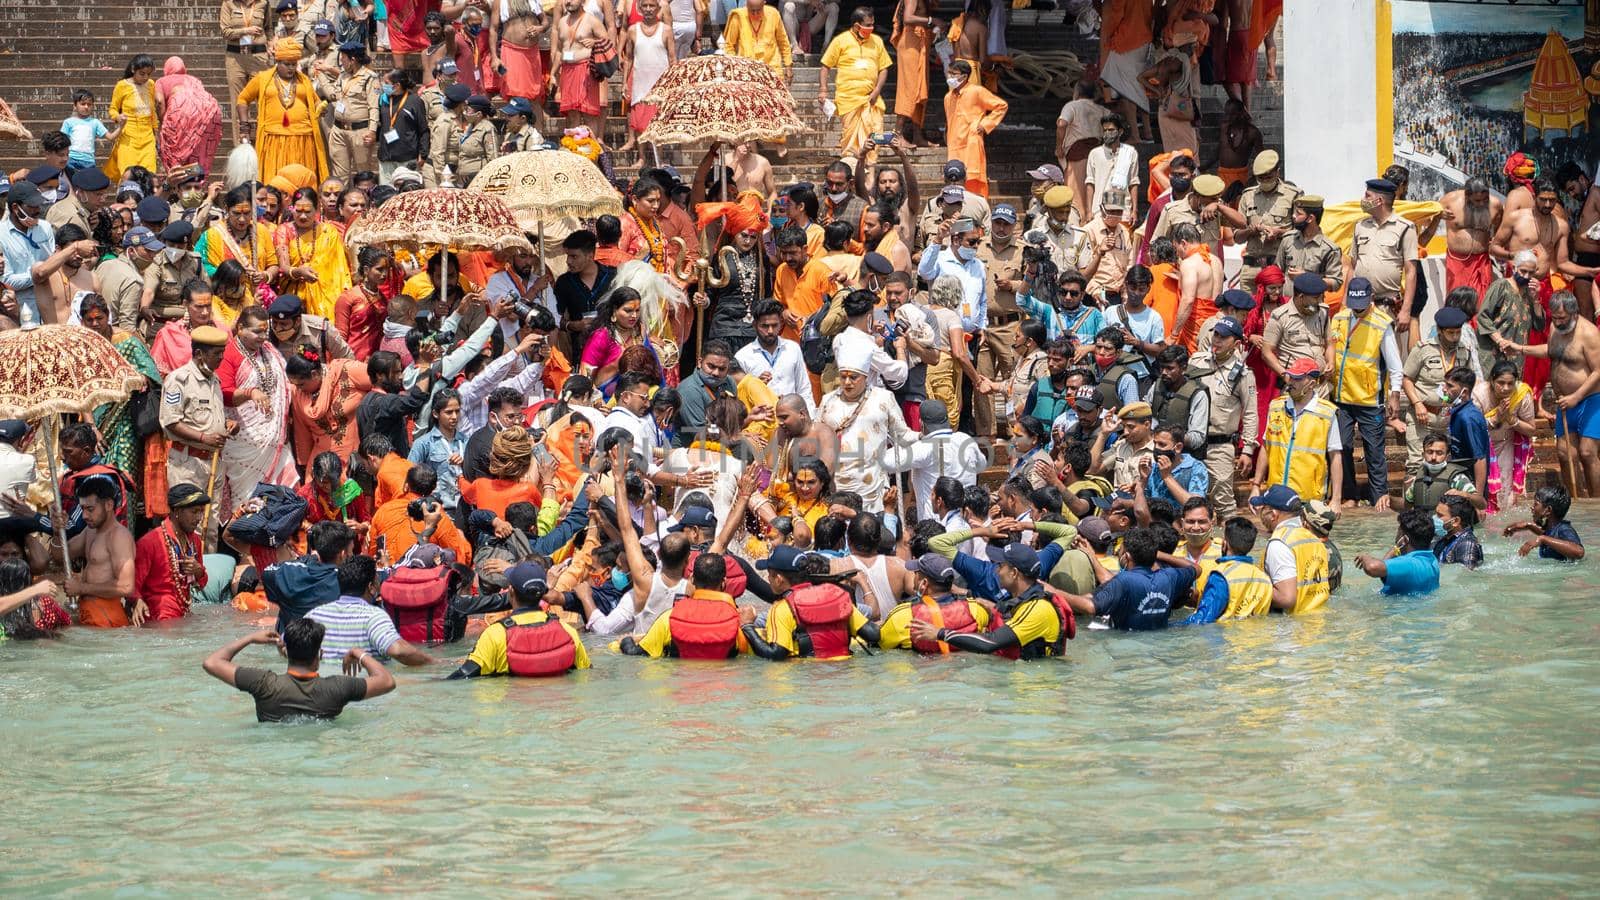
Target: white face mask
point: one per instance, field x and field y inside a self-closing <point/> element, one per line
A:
<point x="955" y="82"/>
<point x="173" y="254"/>
<point x="838" y="196"/>
<point x="966" y="254"/>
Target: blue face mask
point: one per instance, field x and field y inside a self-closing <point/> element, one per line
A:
<point x="779" y="221"/>
<point x="966" y="254"/>
<point x="474" y="29"/>
<point x="619" y="579"/>
<point x="387" y="90"/>
<point x="1438" y="527"/>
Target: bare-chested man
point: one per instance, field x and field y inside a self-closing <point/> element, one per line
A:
<point x="1574" y="353"/>
<point x="1539" y="229"/>
<point x="1199" y="283"/>
<point x="752" y="172"/>
<point x="577" y="33"/>
<point x="514" y="30"/>
<point x="800" y="437"/>
<point x="106" y="545"/>
<point x="1585" y="252"/>
<point x="1471" y="216"/>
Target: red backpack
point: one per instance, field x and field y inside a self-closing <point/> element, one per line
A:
<point x="822" y="615"/>
<point x="417" y="599"/>
<point x="539" y="649"/>
<point x="733" y="583"/>
<point x="704" y="629"/>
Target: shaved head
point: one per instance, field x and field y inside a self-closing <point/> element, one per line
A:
<point x="792" y="403"/>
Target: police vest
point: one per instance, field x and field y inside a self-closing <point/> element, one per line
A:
<point x="1249" y="589"/>
<point x="1297" y="447"/>
<point x="1310" y="566"/>
<point x="1171" y="408"/>
<point x="1427" y="490"/>
<point x="1108" y="382"/>
<point x="1049" y="402"/>
<point x="1359" y="343"/>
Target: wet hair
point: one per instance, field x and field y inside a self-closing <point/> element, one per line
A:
<point x="329" y="539"/>
<point x="828" y="533"/>
<point x="100" y="487"/>
<point x="1417" y="526"/>
<point x="1461" y="508"/>
<point x="15" y="576"/>
<point x="93" y="302"/>
<point x="356" y="575"/>
<point x="923" y="532"/>
<point x="1239" y="534"/>
<point x="710" y="571"/>
<point x="1566" y="301"/>
<point x="1141" y="545"/>
<point x="69" y="233"/>
<point x="1556" y="499"/>
<point x="949" y="491"/>
<point x="302" y="639"/>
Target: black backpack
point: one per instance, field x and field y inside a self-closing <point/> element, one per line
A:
<point x="816" y="348"/>
<point x="276" y="522"/>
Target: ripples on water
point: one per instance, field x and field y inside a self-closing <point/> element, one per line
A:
<point x="1444" y="745"/>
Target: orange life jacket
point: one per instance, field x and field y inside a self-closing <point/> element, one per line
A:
<point x="704" y="629"/>
<point x="953" y="614"/>
<point x="822" y="615"/>
<point x="539" y="649"/>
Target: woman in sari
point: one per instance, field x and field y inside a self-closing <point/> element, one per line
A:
<point x="315" y="266"/>
<point x="123" y="449"/>
<point x="641" y="225"/>
<point x="323" y="408"/>
<point x="1512" y="416"/>
<point x="321" y="491"/>
<point x="237" y="236"/>
<point x="137" y="108"/>
<point x="360" y="311"/>
<point x="255" y="389"/>
<point x="286" y="113"/>
<point x="570" y="440"/>
<point x="1269" y="296"/>
<point x="192" y="117"/>
<point x="617" y="327"/>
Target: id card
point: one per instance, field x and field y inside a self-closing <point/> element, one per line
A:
<point x="338" y="109"/>
<point x="391" y="136"/>
<point x="569" y="56"/>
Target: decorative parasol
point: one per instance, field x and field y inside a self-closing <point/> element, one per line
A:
<point x="48" y="370"/>
<point x="447" y="218"/>
<point x="721" y="69"/>
<point x="544" y="185"/>
<point x="723" y="111"/>
<point x="11" y="126"/>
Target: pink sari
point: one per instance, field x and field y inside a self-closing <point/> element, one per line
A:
<point x="192" y="126"/>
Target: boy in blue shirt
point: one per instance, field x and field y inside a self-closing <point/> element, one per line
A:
<point x="1469" y="430"/>
<point x="1554" y="536"/>
<point x="1413" y="569"/>
<point x="84" y="130"/>
<point x="1140" y="597"/>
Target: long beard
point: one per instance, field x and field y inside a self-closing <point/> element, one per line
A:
<point x="1477" y="218"/>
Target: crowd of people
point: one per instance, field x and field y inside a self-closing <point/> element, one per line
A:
<point x="389" y="451"/>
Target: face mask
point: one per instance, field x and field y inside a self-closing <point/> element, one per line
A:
<point x="1104" y="359"/>
<point x="779" y="222"/>
<point x="1521" y="279"/>
<point x="387" y="90"/>
<point x="173" y="254"/>
<point x="1438" y="527"/>
<point x="955" y="82"/>
<point x="1180" y="184"/>
<point x="1267" y="184"/>
<point x="1369" y="206"/>
<point x="1109" y="139"/>
<point x="837" y="196"/>
<point x="619" y="579"/>
<point x="1433" y="468"/>
<point x="1302" y="224"/>
<point x="966" y="254"/>
<point x="474" y="29"/>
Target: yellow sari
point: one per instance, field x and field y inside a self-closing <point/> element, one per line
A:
<point x="286" y="123"/>
<point x="136" y="145"/>
<point x="322" y="250"/>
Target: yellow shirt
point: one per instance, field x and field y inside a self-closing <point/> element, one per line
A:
<point x="895" y="632"/>
<point x="490" y="652"/>
<point x="1037" y="626"/>
<point x="768" y="42"/>
<point x="856" y="64"/>
<point x="658" y="640"/>
<point x="781" y="626"/>
<point x="754" y="392"/>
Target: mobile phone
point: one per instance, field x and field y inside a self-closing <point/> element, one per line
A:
<point x="383" y="545"/>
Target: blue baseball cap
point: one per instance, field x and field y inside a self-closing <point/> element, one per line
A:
<point x="933" y="567"/>
<point x="783" y="558"/>
<point x="1279" y="497"/>
<point x="1005" y="212"/>
<point x="1308" y="283"/>
<point x="516" y="106"/>
<point x="527" y="579"/>
<point x="697" y="516"/>
<point x="1358" y="293"/>
<point x="1227" y="327"/>
<point x="1237" y="299"/>
<point x="1019" y="556"/>
<point x="141" y="236"/>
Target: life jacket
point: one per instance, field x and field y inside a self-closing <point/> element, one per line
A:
<point x="1310" y="566"/>
<point x="952" y="614"/>
<point x="734" y="583"/>
<point x="1360" y="343"/>
<point x="1171" y="408"/>
<point x="1427" y="490"/>
<point x="1039" y="649"/>
<point x="1249" y="589"/>
<point x="1048" y="403"/>
<point x="704" y="629"/>
<point x="1297" y="447"/>
<point x="539" y="649"/>
<point x="416" y="599"/>
<point x="822" y="615"/>
<point x="1107" y="386"/>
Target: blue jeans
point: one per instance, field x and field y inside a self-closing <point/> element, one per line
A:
<point x="1370" y="420"/>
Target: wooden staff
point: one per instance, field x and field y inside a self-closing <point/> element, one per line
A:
<point x="211" y="488"/>
<point x="52" y="427"/>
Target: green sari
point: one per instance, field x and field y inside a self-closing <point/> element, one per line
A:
<point x="123" y="448"/>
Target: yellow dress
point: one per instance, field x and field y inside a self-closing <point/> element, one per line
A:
<point x="322" y="250"/>
<point x="136" y="145"/>
<point x="856" y="65"/>
<point x="286" y="124"/>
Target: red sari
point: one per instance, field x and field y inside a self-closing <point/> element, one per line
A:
<point x="1256" y="324"/>
<point x="191" y="128"/>
<point x="406" y="34"/>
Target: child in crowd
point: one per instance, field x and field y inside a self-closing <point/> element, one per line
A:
<point x="85" y="130"/>
<point x="1554" y="536"/>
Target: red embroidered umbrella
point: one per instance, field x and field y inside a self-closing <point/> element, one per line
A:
<point x="720" y="98"/>
<point x="11" y="126"/>
<point x="445" y="218"/>
<point x="724" y="69"/>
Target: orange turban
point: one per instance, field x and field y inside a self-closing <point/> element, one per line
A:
<point x="287" y="50"/>
<point x="745" y="215"/>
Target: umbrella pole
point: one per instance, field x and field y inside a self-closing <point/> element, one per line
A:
<point x="53" y="433"/>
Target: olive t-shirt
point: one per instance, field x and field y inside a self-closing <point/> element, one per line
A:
<point x="280" y="696"/>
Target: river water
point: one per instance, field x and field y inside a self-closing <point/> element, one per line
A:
<point x="1444" y="745"/>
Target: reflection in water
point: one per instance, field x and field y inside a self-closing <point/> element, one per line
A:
<point x="1443" y="744"/>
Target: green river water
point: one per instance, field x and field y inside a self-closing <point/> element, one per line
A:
<point x="1439" y="746"/>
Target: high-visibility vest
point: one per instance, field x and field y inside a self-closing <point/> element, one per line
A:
<point x="1297" y="447"/>
<point x="1310" y="566"/>
<point x="1249" y="589"/>
<point x="1358" y="346"/>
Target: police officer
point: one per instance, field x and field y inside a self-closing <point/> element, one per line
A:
<point x="192" y="412"/>
<point x="444" y="75"/>
<point x="1001" y="254"/>
<point x="321" y="62"/>
<point x="1307" y="249"/>
<point x="444" y="151"/>
<point x="290" y="329"/>
<point x="475" y="139"/>
<point x="1059" y="233"/>
<point x="1268" y="210"/>
<point x="353" y="141"/>
<point x="1382" y="249"/>
<point x="519" y="127"/>
<point x="89" y="187"/>
<point x="153" y="213"/>
<point x="173" y="268"/>
<point x="1202" y="208"/>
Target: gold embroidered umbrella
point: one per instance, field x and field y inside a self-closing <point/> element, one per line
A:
<point x="11" y="126"/>
<point x="540" y="186"/>
<point x="723" y="69"/>
<point x="720" y="98"/>
<point x="445" y="218"/>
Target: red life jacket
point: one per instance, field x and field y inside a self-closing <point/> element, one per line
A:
<point x="416" y="599"/>
<point x="733" y="584"/>
<point x="704" y="629"/>
<point x="539" y="649"/>
<point x="1069" y="629"/>
<point x="822" y="615"/>
<point x="71" y="480"/>
<point x="953" y="615"/>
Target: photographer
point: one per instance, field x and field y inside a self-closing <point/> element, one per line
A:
<point x="416" y="516"/>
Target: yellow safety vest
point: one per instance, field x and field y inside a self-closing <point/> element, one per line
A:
<point x="1359" y="345"/>
<point x="1249" y="590"/>
<point x="1310" y="566"/>
<point x="1297" y="447"/>
<point x="1207" y="563"/>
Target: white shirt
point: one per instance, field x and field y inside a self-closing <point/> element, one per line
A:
<point x="874" y="426"/>
<point x="501" y="286"/>
<point x="787" y="365"/>
<point x="1280" y="559"/>
<point x="1107" y="171"/>
<point x="942" y="453"/>
<point x="16" y="471"/>
<point x="884" y="371"/>
<point x="662" y="594"/>
<point x="644" y="433"/>
<point x="937" y="259"/>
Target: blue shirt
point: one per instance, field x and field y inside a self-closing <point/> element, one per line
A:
<point x="434" y="450"/>
<point x="938" y="260"/>
<point x="979" y="574"/>
<point x="1416" y="572"/>
<point x="1142" y="599"/>
<point x="24" y="250"/>
<point x="1469" y="434"/>
<point x="82" y="133"/>
<point x="1214" y="600"/>
<point x="1561" y="531"/>
<point x="1189" y="472"/>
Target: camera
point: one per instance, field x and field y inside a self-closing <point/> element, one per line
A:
<point x="1035" y="254"/>
<point x="421" y="506"/>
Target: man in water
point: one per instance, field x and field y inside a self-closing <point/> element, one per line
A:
<point x="1471" y="217"/>
<point x="511" y="646"/>
<point x="1296" y="560"/>
<point x="106" y="546"/>
<point x="1574" y="351"/>
<point x="1036" y="624"/>
<point x="168" y="564"/>
<point x="1459" y="544"/>
<point x="1554" y="537"/>
<point x="1413" y="569"/>
<point x="1140" y="597"/>
<point x="299" y="691"/>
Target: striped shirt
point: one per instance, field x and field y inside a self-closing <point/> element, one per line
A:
<point x="353" y="623"/>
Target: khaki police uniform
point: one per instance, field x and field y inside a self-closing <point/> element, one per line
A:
<point x="166" y="279"/>
<point x="1293" y="336"/>
<point x="69" y="210"/>
<point x="1179" y="212"/>
<point x="432" y="101"/>
<point x="1232" y="387"/>
<point x="1316" y="255"/>
<point x="475" y="147"/>
<point x="522" y="140"/>
<point x="355" y="118"/>
<point x="1426" y="366"/>
<point x="317" y="334"/>
<point x="996" y="355"/>
<point x="194" y="400"/>
<point x="1268" y="209"/>
<point x="245" y="54"/>
<point x="1380" y="254"/>
<point x="443" y="151"/>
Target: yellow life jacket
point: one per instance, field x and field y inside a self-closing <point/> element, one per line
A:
<point x="1249" y="589"/>
<point x="1310" y="566"/>
<point x="1207" y="563"/>
<point x="1297" y="447"/>
<point x="1358" y="343"/>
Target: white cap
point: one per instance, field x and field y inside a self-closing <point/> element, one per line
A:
<point x="855" y="356"/>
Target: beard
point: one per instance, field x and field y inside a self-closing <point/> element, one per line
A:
<point x="1476" y="217"/>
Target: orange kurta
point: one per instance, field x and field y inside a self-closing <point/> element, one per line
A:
<point x="393" y="523"/>
<point x="286" y="135"/>
<point x="1164" y="294"/>
<point x="801" y="293"/>
<point x="911" y="76"/>
<point x="970" y="114"/>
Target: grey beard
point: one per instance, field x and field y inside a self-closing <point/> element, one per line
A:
<point x="1567" y="329"/>
<point x="1476" y="217"/>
